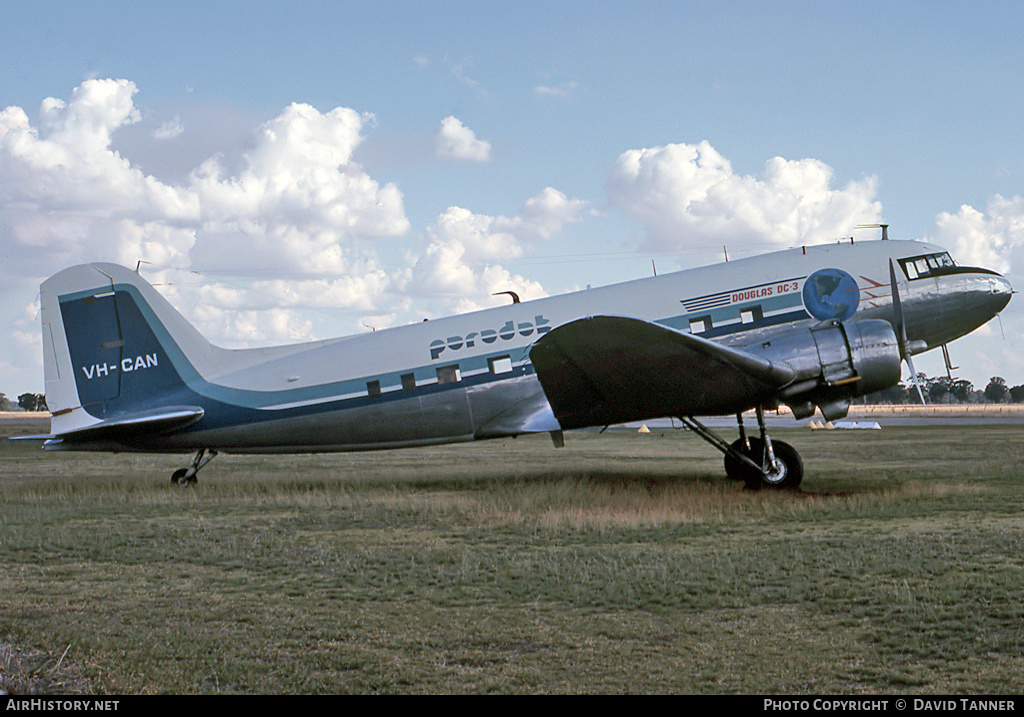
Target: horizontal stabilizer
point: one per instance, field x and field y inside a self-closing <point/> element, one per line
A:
<point x="607" y="369"/>
<point x="135" y="425"/>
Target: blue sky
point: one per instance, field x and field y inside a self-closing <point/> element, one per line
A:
<point x="540" y="146"/>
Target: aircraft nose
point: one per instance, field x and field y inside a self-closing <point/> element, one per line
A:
<point x="1001" y="291"/>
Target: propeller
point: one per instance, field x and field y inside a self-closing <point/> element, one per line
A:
<point x="901" y="330"/>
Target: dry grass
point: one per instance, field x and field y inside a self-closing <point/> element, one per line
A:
<point x="36" y="671"/>
<point x="622" y="563"/>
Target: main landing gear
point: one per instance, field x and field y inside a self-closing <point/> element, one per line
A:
<point x="758" y="462"/>
<point x="188" y="476"/>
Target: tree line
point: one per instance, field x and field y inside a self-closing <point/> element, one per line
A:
<point x="26" y="402"/>
<point x="944" y="389"/>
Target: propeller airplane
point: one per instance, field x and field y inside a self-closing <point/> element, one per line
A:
<point x="810" y="328"/>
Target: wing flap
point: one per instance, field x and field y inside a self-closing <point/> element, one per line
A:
<point x="610" y="369"/>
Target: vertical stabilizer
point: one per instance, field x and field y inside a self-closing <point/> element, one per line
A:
<point x="113" y="346"/>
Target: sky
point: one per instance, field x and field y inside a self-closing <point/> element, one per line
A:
<point x="302" y="170"/>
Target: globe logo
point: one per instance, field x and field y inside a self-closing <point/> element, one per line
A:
<point x="831" y="294"/>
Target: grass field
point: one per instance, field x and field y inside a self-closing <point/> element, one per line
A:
<point x="620" y="563"/>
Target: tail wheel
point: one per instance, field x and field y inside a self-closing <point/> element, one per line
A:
<point x="182" y="477"/>
<point x="787" y="471"/>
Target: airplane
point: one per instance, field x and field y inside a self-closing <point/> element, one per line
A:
<point x="810" y="328"/>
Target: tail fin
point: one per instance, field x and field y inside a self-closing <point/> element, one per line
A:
<point x="113" y="347"/>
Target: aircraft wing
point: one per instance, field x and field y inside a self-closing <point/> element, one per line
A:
<point x="607" y="369"/>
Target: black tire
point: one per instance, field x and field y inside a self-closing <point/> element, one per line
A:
<point x="178" y="477"/>
<point x="788" y="470"/>
<point x="735" y="469"/>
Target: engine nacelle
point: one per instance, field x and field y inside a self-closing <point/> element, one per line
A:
<point x="835" y="362"/>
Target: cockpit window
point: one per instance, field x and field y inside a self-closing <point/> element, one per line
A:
<point x="920" y="267"/>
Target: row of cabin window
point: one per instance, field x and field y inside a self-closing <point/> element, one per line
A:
<point x="702" y="324"/>
<point x="445" y="374"/>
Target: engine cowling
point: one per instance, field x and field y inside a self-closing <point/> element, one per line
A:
<point x="835" y="362"/>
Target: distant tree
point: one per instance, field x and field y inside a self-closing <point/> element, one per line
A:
<point x="1017" y="394"/>
<point x="996" y="391"/>
<point x="961" y="389"/>
<point x="894" y="395"/>
<point x="938" y="389"/>
<point x="5" y="403"/>
<point x="912" y="394"/>
<point x="32" y="402"/>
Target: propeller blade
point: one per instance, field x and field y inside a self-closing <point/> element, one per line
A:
<point x="913" y="377"/>
<point x="901" y="330"/>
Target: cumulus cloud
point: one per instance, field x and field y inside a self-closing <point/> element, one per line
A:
<point x="992" y="238"/>
<point x="297" y="202"/>
<point x="294" y="204"/>
<point x="465" y="249"/>
<point x="66" y="195"/>
<point x="688" y="195"/>
<point x="456" y="141"/>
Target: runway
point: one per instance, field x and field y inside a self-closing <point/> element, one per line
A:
<point x="884" y="416"/>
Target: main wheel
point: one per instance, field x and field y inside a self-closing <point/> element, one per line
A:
<point x="788" y="469"/>
<point x="786" y="472"/>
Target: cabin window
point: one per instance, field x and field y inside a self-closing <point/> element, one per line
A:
<point x="751" y="315"/>
<point x="501" y="364"/>
<point x="373" y="388"/>
<point x="700" y="325"/>
<point x="408" y="381"/>
<point x="448" y="374"/>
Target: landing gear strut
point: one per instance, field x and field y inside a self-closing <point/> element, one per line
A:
<point x="758" y="462"/>
<point x="188" y="476"/>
